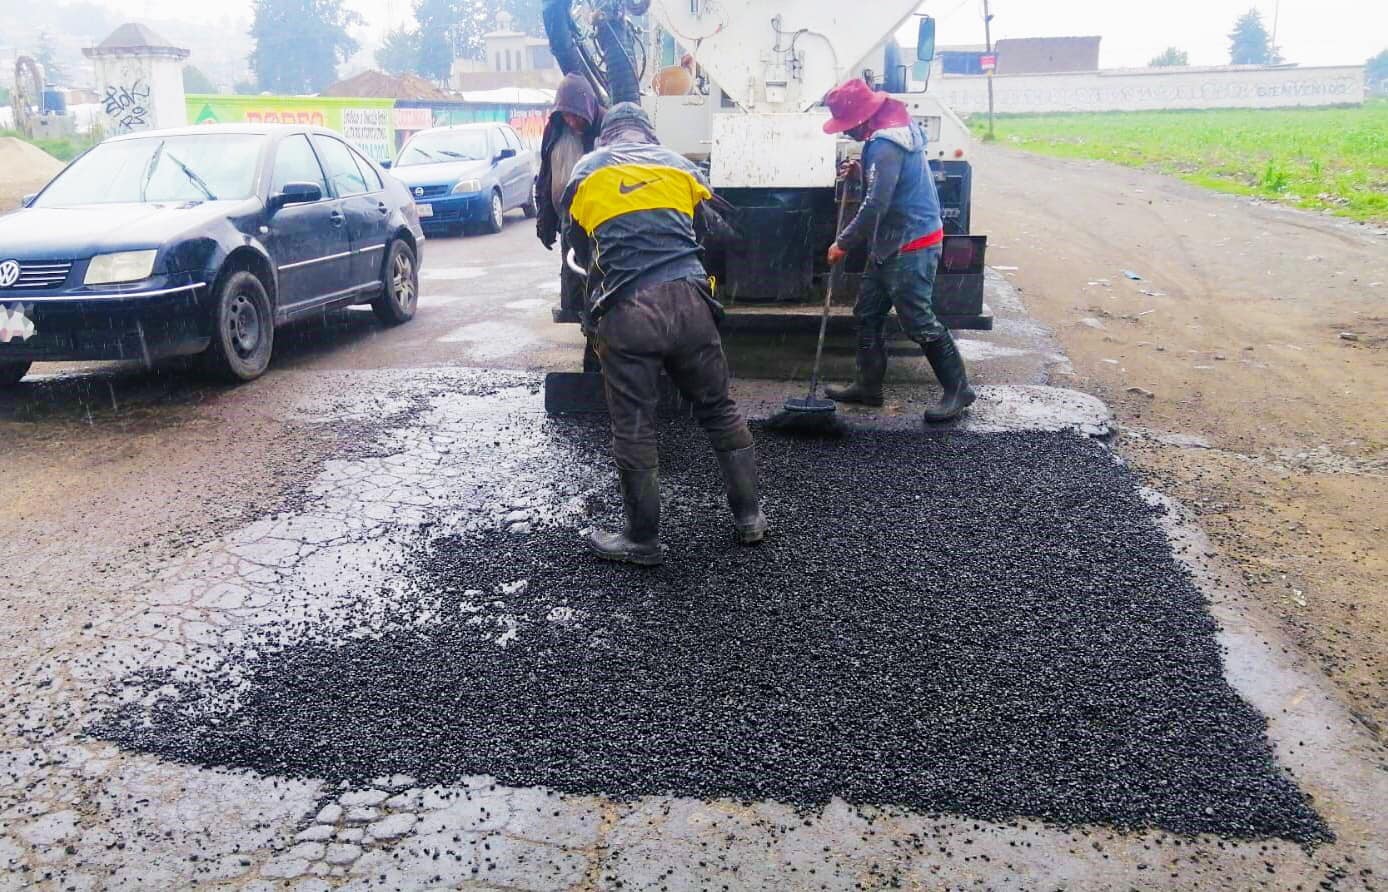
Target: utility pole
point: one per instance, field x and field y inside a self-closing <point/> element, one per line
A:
<point x="988" y="40"/>
<point x="1276" y="14"/>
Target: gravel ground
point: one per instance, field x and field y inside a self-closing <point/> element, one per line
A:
<point x="986" y="625"/>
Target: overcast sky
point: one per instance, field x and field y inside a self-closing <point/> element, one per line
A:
<point x="1311" y="32"/>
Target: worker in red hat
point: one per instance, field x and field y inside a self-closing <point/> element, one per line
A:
<point x="900" y="225"/>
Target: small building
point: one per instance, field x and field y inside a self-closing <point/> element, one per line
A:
<point x="139" y="79"/>
<point x="511" y="58"/>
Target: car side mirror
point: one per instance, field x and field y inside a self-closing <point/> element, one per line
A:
<point x="925" y="40"/>
<point x="28" y="199"/>
<point x="296" y="193"/>
<point x="386" y="164"/>
<point x="505" y="153"/>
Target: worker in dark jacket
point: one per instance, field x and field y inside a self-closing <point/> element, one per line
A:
<point x="571" y="133"/>
<point x="900" y="225"/>
<point x="635" y="212"/>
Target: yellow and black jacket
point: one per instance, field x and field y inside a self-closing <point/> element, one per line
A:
<point x="631" y="211"/>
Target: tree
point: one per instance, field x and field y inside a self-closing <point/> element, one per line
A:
<point x="1170" y="57"/>
<point x="1376" y="72"/>
<point x="46" y="56"/>
<point x="1249" y="43"/>
<point x="525" y="16"/>
<point x="299" y="43"/>
<point x="244" y="88"/>
<point x="399" y="52"/>
<point x="194" y="81"/>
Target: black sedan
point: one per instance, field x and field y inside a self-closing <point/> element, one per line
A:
<point x="201" y="241"/>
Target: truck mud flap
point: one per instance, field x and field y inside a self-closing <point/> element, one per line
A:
<point x="582" y="393"/>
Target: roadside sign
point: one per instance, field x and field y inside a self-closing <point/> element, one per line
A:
<point x="988" y="63"/>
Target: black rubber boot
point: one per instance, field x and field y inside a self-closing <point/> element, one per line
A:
<point x="744" y="494"/>
<point x="949" y="368"/>
<point x="640" y="542"/>
<point x="866" y="388"/>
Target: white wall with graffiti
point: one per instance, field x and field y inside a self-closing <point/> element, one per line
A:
<point x="1154" y="89"/>
<point x="140" y="93"/>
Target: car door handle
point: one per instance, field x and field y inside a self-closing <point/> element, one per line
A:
<point x="337" y="218"/>
<point x="383" y="207"/>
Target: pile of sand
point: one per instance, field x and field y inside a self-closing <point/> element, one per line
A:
<point x="23" y="169"/>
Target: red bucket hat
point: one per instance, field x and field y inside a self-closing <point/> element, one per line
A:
<point x="851" y="105"/>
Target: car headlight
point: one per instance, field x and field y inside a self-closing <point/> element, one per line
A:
<point x="127" y="266"/>
<point x="467" y="187"/>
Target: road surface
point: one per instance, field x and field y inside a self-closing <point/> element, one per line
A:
<point x="162" y="535"/>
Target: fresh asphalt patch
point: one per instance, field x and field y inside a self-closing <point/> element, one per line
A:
<point x="988" y="625"/>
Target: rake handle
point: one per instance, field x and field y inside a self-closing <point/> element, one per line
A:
<point x="841" y="191"/>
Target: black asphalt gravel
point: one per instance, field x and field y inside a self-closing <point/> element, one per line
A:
<point x="985" y="625"/>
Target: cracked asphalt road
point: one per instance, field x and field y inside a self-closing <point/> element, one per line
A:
<point x="150" y="514"/>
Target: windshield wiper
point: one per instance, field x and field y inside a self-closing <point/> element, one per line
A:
<point x="149" y="169"/>
<point x="192" y="177"/>
<point x="457" y="155"/>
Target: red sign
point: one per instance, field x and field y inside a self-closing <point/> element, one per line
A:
<point x="988" y="63"/>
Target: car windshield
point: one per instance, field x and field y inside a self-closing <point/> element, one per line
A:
<point x="198" y="167"/>
<point x="445" y="145"/>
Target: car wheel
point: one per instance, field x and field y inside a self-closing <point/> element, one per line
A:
<point x="497" y="217"/>
<point x="531" y="208"/>
<point x="400" y="283"/>
<point x="243" y="330"/>
<point x="11" y="373"/>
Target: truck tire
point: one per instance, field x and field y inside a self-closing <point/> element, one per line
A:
<point x="243" y="329"/>
<point x="400" y="285"/>
<point x="11" y="373"/>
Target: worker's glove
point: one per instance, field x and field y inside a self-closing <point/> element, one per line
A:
<point x="851" y="170"/>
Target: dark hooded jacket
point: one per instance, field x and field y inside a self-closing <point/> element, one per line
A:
<point x="575" y="97"/>
<point x="639" y="214"/>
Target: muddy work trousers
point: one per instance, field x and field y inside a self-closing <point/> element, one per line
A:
<point x="667" y="327"/>
<point x="906" y="282"/>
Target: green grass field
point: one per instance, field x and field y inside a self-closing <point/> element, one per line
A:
<point x="1333" y="158"/>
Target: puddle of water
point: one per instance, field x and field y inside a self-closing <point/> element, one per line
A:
<point x="453" y="273"/>
<point x="491" y="340"/>
<point x="975" y="350"/>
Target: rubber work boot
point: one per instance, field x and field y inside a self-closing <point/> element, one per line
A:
<point x="640" y="542"/>
<point x="866" y="388"/>
<point x="949" y="368"/>
<point x="744" y="494"/>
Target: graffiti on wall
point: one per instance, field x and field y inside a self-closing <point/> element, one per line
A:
<point x="529" y="124"/>
<point x="127" y="105"/>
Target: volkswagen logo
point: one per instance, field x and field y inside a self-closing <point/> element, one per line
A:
<point x="418" y="191"/>
<point x="9" y="273"/>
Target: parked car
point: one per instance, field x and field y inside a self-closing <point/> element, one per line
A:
<point x="201" y="241"/>
<point x="468" y="175"/>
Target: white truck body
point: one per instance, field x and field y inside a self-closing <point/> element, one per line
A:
<point x="770" y="63"/>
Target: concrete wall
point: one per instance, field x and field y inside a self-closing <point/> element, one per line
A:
<point x="1154" y="89"/>
<point x="140" y="92"/>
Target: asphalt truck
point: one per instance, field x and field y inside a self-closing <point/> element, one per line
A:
<point x="737" y="86"/>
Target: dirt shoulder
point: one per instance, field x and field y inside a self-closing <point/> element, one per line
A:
<point x="1249" y="367"/>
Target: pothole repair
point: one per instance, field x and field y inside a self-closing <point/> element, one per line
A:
<point x="990" y="625"/>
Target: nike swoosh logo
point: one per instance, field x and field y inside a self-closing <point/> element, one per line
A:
<point x="628" y="188"/>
